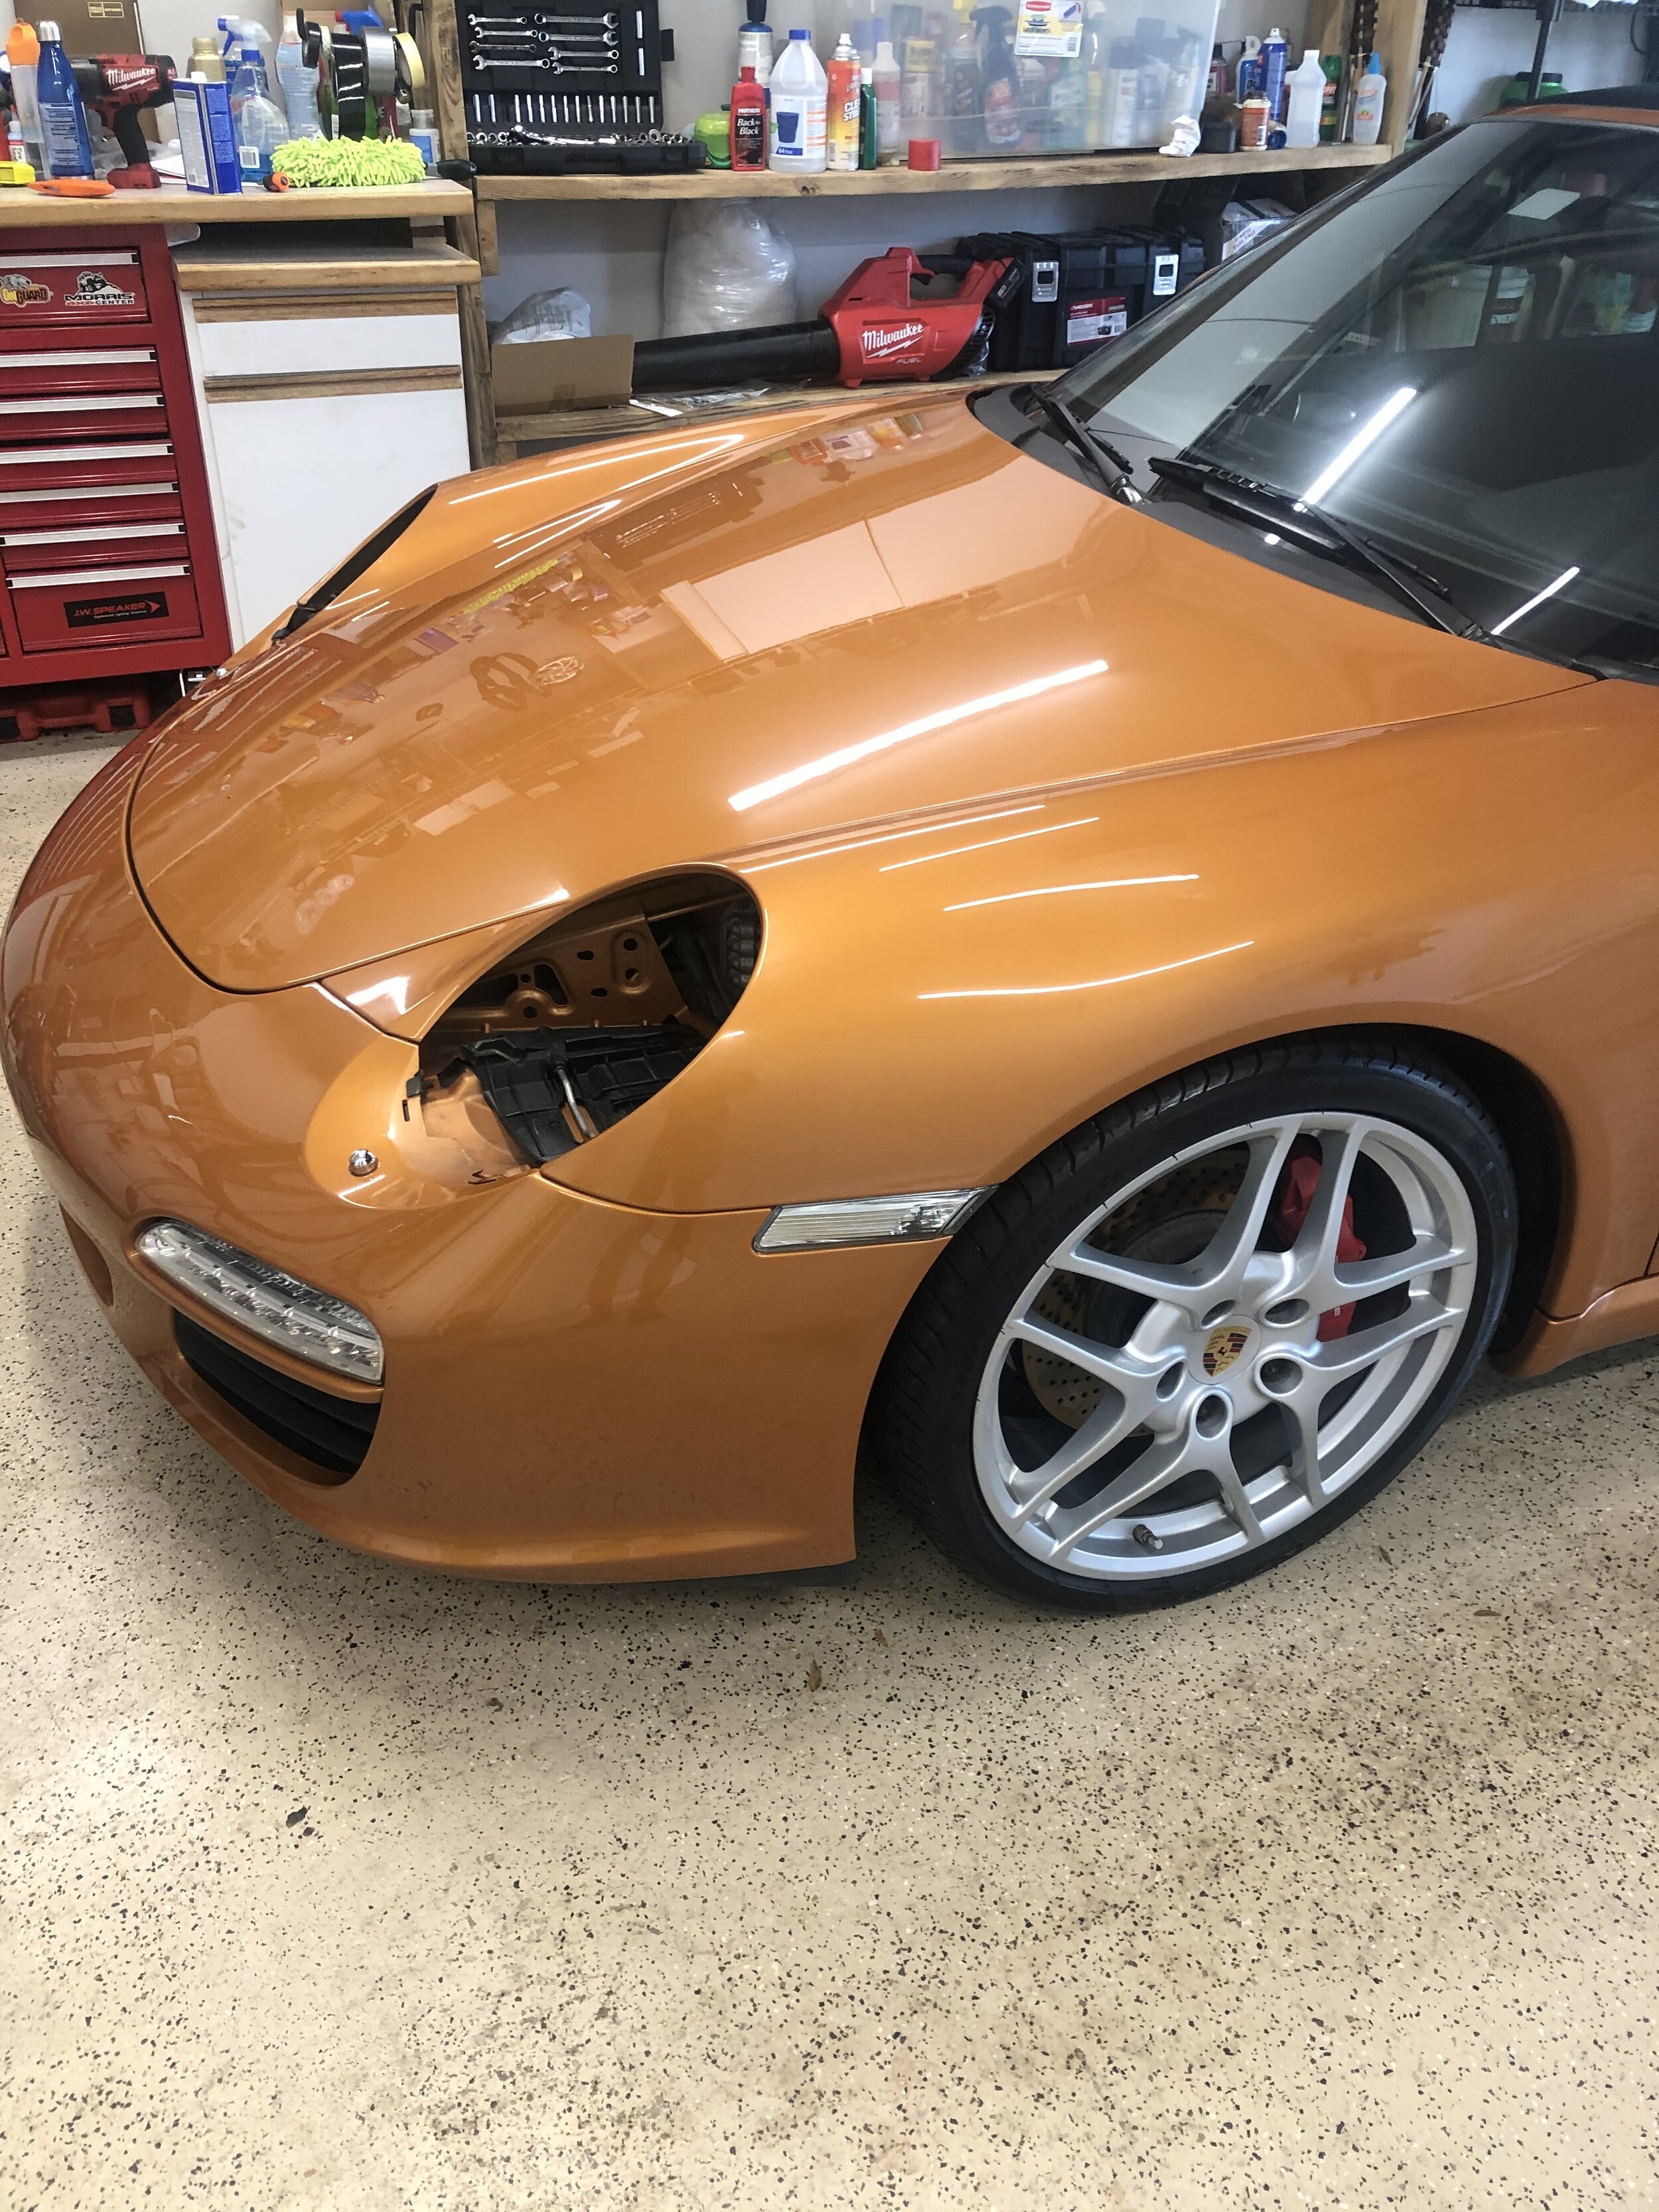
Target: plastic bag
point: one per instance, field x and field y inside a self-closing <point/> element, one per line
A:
<point x="1245" y="223"/>
<point x="560" y="314"/>
<point x="726" y="269"/>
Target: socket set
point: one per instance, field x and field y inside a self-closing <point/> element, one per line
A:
<point x="559" y="73"/>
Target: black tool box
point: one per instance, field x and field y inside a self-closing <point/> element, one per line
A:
<point x="567" y="75"/>
<point x="1079" y="288"/>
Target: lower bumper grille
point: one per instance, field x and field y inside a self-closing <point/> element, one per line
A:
<point x="331" y="1432"/>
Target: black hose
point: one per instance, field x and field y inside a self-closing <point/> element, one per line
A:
<point x="777" y="353"/>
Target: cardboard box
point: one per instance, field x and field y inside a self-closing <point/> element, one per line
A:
<point x="206" y="140"/>
<point x="540" y="376"/>
<point x="90" y="26"/>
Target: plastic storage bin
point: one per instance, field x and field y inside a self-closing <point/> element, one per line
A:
<point x="1104" y="75"/>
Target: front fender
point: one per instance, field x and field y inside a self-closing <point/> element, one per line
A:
<point x="939" y="1000"/>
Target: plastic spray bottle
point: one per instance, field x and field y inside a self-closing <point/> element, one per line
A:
<point x="999" y="82"/>
<point x="800" y="100"/>
<point x="845" y="81"/>
<point x="299" y="84"/>
<point x="257" y="123"/>
<point x="63" y="114"/>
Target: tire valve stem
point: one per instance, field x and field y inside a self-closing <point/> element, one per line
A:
<point x="1148" y="1540"/>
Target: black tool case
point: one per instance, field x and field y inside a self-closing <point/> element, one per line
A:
<point x="1079" y="288"/>
<point x="560" y="71"/>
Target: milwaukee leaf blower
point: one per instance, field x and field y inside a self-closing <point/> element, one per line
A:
<point x="871" y="331"/>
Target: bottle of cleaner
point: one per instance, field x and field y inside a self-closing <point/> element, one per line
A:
<point x="754" y="52"/>
<point x="1305" y="90"/>
<point x="1275" y="61"/>
<point x="22" y="58"/>
<point x="919" y="97"/>
<point x="239" y="32"/>
<point x="800" y="100"/>
<point x="845" y="83"/>
<point x="1068" y="110"/>
<point x="299" y="84"/>
<point x="1368" y="95"/>
<point x="1121" y="91"/>
<point x="884" y="75"/>
<point x="62" y="115"/>
<point x="999" y="82"/>
<point x="748" y="125"/>
<point x="1331" y="66"/>
<point x="962" y="112"/>
<point x="258" y="125"/>
<point x="868" y="142"/>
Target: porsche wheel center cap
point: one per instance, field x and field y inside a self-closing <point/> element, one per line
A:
<point x="1223" y="1345"/>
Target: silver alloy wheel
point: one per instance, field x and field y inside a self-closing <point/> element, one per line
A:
<point x="1147" y="1483"/>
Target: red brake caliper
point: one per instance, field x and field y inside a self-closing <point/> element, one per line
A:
<point x="1295" y="1195"/>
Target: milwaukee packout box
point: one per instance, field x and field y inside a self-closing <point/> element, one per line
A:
<point x="1079" y="288"/>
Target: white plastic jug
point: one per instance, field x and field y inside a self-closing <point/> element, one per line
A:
<point x="800" y="107"/>
<point x="1305" y="92"/>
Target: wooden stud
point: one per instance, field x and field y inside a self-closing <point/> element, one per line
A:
<point x="472" y="234"/>
<point x="1399" y="42"/>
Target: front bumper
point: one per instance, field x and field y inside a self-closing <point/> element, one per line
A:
<point x="575" y="1390"/>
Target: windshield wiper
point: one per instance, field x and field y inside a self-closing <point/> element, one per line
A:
<point x="1110" y="468"/>
<point x="1313" y="526"/>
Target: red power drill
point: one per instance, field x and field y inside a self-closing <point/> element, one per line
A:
<point x="871" y="331"/>
<point x="117" y="85"/>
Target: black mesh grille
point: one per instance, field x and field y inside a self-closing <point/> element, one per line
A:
<point x="331" y="1432"/>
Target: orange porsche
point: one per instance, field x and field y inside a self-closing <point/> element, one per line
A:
<point x="1099" y="939"/>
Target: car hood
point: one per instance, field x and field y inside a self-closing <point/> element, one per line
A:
<point x="590" y="667"/>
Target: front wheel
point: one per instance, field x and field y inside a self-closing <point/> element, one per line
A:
<point x="1196" y="1335"/>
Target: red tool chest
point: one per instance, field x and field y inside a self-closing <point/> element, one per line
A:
<point x="108" y="564"/>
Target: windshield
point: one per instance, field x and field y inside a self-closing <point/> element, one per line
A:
<point x="1462" y="362"/>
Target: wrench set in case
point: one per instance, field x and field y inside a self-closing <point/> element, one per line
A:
<point x="559" y="72"/>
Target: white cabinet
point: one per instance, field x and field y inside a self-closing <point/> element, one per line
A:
<point x="325" y="407"/>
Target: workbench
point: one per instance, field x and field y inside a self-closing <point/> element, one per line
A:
<point x="320" y="387"/>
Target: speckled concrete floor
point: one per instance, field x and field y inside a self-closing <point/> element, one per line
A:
<point x="329" y="1885"/>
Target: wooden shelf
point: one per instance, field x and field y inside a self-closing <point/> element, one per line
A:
<point x="632" y="418"/>
<point x="433" y="200"/>
<point x="216" y="264"/>
<point x="1042" y="174"/>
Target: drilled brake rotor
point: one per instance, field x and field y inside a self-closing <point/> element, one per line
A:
<point x="1172" y="1220"/>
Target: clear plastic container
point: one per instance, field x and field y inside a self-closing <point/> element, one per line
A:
<point x="1110" y="77"/>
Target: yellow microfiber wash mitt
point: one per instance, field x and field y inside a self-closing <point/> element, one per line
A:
<point x="338" y="162"/>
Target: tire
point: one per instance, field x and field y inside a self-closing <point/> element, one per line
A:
<point x="1108" y="1394"/>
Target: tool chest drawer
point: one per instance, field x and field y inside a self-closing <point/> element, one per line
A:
<point x="60" y="290"/>
<point x="26" y="552"/>
<point x="86" y="507"/>
<point x="27" y="471"/>
<point x="96" y="413"/>
<point x="129" y="604"/>
<point x="44" y="372"/>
